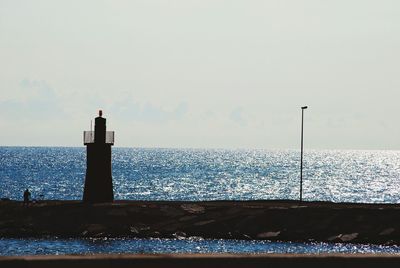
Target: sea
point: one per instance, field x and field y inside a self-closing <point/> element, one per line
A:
<point x="58" y="173"/>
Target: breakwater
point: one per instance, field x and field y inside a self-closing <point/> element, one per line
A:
<point x="267" y="220"/>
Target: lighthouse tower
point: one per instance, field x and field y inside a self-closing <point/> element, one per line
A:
<point x="98" y="182"/>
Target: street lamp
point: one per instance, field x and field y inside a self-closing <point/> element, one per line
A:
<point x="301" y="159"/>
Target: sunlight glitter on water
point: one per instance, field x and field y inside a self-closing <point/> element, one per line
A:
<point x="13" y="247"/>
<point x="189" y="174"/>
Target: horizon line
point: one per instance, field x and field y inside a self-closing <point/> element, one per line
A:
<point x="207" y="148"/>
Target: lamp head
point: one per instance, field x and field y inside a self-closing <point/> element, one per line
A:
<point x="304" y="107"/>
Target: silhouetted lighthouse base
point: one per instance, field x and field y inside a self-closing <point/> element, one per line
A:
<point x="98" y="182"/>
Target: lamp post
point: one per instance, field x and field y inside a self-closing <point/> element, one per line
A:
<point x="301" y="159"/>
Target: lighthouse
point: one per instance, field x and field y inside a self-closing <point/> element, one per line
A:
<point x="98" y="181"/>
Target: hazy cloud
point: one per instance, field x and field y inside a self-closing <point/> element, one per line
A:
<point x="37" y="101"/>
<point x="147" y="112"/>
<point x="237" y="116"/>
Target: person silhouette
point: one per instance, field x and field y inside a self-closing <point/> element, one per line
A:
<point x="27" y="197"/>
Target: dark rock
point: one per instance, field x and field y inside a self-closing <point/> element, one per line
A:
<point x="268" y="234"/>
<point x="387" y="231"/>
<point x="200" y="223"/>
<point x="193" y="208"/>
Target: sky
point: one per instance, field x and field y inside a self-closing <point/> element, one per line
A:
<point x="202" y="74"/>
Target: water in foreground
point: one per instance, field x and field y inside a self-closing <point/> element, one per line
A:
<point x="46" y="246"/>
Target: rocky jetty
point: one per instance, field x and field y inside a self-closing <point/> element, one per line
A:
<point x="267" y="220"/>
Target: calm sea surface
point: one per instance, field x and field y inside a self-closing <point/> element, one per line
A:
<point x="195" y="174"/>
